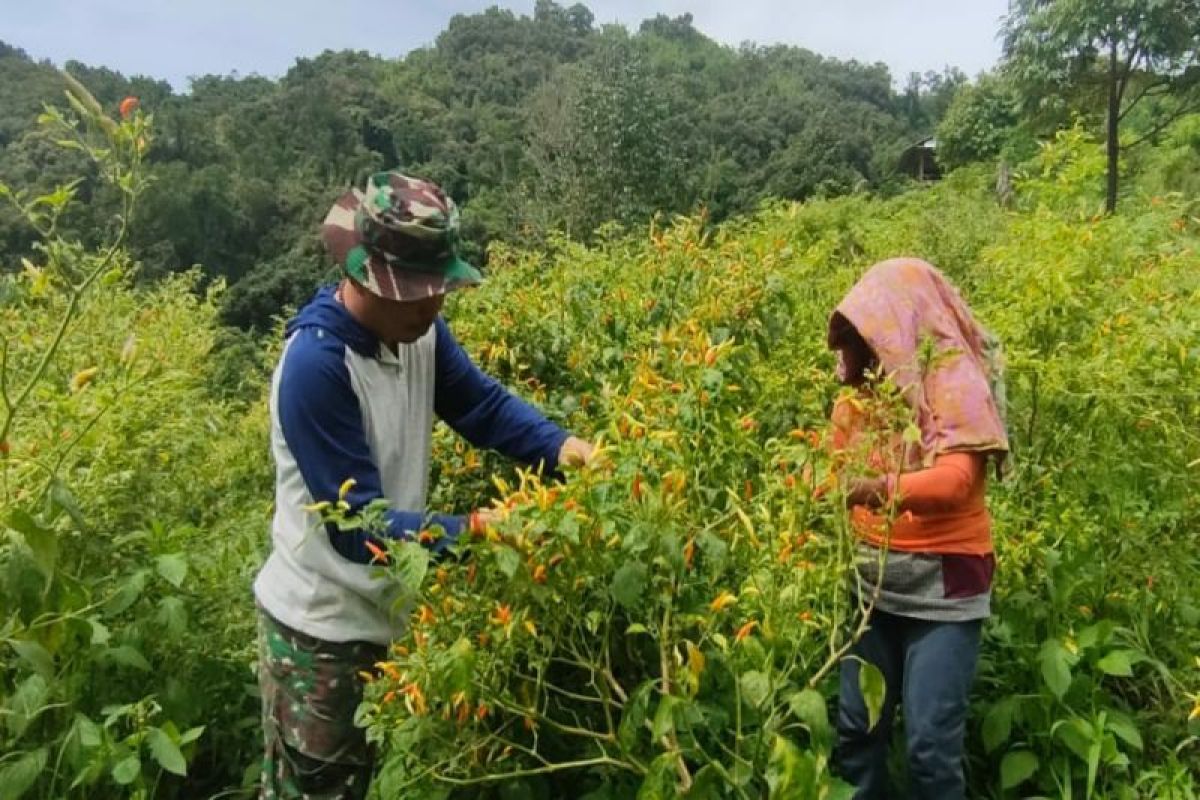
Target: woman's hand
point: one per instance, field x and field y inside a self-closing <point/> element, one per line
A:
<point x="869" y="492"/>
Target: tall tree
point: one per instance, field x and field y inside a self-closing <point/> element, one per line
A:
<point x="600" y="145"/>
<point x="982" y="122"/>
<point x="1132" y="49"/>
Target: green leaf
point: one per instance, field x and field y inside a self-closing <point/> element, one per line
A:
<point x="191" y="735"/>
<point x="173" y="568"/>
<point x="714" y="548"/>
<point x="568" y="528"/>
<point x="659" y="779"/>
<point x="128" y="594"/>
<point x="62" y="497"/>
<point x="997" y="724"/>
<point x="26" y="703"/>
<point x="128" y="656"/>
<point x="35" y="655"/>
<point x="1076" y="734"/>
<point x="809" y="707"/>
<point x="40" y="541"/>
<point x="100" y="632"/>
<point x="873" y="688"/>
<point x="1017" y="767"/>
<point x="172" y="616"/>
<point x="790" y="774"/>
<point x="507" y="559"/>
<point x="755" y="686"/>
<point x="127" y="771"/>
<point x="457" y="665"/>
<point x="411" y="566"/>
<point x="166" y="752"/>
<point x="89" y="733"/>
<point x="633" y="718"/>
<point x="1097" y="634"/>
<point x="1124" y="729"/>
<point x="17" y="777"/>
<point x="629" y="583"/>
<point x="1120" y="662"/>
<point x="664" y="716"/>
<point x="709" y="783"/>
<point x="1056" y="667"/>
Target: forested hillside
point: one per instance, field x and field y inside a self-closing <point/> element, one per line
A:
<point x="532" y="123"/>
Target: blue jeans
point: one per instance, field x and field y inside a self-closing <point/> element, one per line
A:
<point x="929" y="667"/>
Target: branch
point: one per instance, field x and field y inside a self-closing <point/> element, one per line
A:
<point x="600" y="761"/>
<point x="669" y="740"/>
<point x="4" y="376"/>
<point x="860" y="630"/>
<point x="1165" y="82"/>
<point x="616" y="687"/>
<point x="538" y="716"/>
<point x="66" y="451"/>
<point x="864" y="622"/>
<point x="551" y="687"/>
<point x="77" y="293"/>
<point x="1179" y="113"/>
<point x="1123" y="81"/>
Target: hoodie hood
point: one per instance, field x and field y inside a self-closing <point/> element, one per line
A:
<point x="326" y="313"/>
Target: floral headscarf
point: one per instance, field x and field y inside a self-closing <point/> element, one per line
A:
<point x="958" y="394"/>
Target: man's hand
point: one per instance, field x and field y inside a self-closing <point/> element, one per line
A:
<point x="480" y="519"/>
<point x="575" y="452"/>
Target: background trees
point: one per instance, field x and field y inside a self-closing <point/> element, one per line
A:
<point x="533" y="123"/>
<point x="1107" y="59"/>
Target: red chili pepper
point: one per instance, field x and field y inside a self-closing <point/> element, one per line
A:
<point x="377" y="552"/>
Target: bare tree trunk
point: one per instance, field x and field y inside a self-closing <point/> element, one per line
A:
<point x="1112" y="141"/>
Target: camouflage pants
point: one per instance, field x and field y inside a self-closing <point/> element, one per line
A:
<point x="310" y="691"/>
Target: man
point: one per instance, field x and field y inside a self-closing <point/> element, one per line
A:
<point x="365" y="368"/>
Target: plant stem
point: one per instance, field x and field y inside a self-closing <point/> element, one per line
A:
<point x="77" y="292"/>
<point x="670" y="741"/>
<point x="497" y="777"/>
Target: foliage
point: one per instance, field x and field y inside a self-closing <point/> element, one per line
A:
<point x="982" y="123"/>
<point x="703" y="626"/>
<point x="670" y="617"/>
<point x="1174" y="165"/>
<point x="1131" y="50"/>
<point x="115" y="464"/>
<point x="601" y="145"/>
<point x="591" y="639"/>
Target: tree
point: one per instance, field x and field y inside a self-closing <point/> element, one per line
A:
<point x="926" y="97"/>
<point x="600" y="145"/>
<point x="1133" y="49"/>
<point x="979" y="123"/>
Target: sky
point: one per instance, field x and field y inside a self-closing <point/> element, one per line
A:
<point x="176" y="39"/>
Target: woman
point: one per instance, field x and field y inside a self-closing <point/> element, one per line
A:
<point x="920" y="499"/>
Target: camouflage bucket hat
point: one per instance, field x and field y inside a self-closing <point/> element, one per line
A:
<point x="398" y="238"/>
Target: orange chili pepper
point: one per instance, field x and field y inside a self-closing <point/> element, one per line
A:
<point x="502" y="615"/>
<point x="377" y="552"/>
<point x="745" y="630"/>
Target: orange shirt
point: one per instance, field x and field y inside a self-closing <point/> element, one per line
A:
<point x="940" y="509"/>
